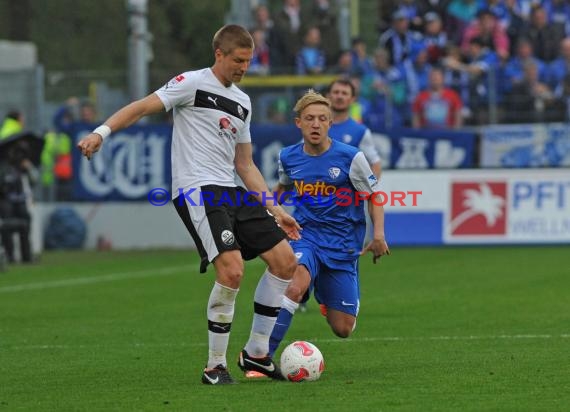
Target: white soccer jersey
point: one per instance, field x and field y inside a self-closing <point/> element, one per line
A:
<point x="209" y="120"/>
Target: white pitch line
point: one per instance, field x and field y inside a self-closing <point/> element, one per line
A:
<point x="171" y="270"/>
<point x="316" y="340"/>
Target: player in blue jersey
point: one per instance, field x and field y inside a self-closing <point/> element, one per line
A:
<point x="327" y="181"/>
<point x="342" y="93"/>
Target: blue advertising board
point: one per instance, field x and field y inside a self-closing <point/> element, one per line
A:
<point x="425" y="149"/>
<point x="525" y="145"/>
<point x="137" y="159"/>
<point x="130" y="164"/>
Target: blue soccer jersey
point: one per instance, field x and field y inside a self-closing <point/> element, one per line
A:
<point x="355" y="134"/>
<point x="328" y="191"/>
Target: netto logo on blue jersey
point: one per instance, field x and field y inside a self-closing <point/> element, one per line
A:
<point x="319" y="188"/>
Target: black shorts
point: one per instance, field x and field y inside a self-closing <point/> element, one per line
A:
<point x="227" y="218"/>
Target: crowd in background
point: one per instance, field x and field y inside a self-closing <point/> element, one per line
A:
<point x="511" y="56"/>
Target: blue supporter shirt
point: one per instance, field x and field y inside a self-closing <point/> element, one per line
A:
<point x="358" y="135"/>
<point x="323" y="190"/>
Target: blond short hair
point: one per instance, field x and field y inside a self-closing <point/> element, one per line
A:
<point x="309" y="98"/>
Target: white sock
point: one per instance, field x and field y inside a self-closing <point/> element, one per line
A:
<point x="267" y="302"/>
<point x="288" y="304"/>
<point x="220" y="315"/>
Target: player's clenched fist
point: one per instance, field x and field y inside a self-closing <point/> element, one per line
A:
<point x="90" y="144"/>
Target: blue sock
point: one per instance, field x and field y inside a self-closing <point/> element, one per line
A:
<point x="282" y="324"/>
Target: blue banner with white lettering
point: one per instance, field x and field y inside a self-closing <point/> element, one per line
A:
<point x="425" y="149"/>
<point x="129" y="164"/>
<point x="136" y="160"/>
<point x="525" y="145"/>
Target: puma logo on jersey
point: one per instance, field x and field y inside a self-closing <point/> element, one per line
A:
<point x="210" y="98"/>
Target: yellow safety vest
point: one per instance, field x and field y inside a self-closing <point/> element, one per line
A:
<point x="10" y="127"/>
<point x="56" y="158"/>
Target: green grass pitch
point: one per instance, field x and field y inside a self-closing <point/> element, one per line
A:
<point x="440" y="329"/>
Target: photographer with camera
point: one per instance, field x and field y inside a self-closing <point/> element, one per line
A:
<point x="17" y="177"/>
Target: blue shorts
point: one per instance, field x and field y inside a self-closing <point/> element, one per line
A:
<point x="334" y="282"/>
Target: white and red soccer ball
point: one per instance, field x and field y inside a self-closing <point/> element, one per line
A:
<point x="302" y="361"/>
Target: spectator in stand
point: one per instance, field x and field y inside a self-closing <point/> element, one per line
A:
<point x="515" y="23"/>
<point x="290" y="25"/>
<point x="260" y="61"/>
<point x="324" y="16"/>
<point x="560" y="67"/>
<point x="457" y="80"/>
<point x="399" y="40"/>
<point x="439" y="107"/>
<point x="438" y="7"/>
<point x="360" y="107"/>
<point x="72" y="111"/>
<point x="499" y="9"/>
<point x="361" y="62"/>
<point x="410" y="9"/>
<point x="311" y="58"/>
<point x="558" y="12"/>
<point x="416" y="72"/>
<point x="544" y="37"/>
<point x="385" y="89"/>
<point x="87" y="112"/>
<point x="262" y="18"/>
<point x="435" y="38"/>
<point x="530" y="100"/>
<point x="386" y="8"/>
<point x="524" y="7"/>
<point x="343" y="66"/>
<point x="487" y="28"/>
<point x="514" y="69"/>
<point x="482" y="70"/>
<point x="459" y="14"/>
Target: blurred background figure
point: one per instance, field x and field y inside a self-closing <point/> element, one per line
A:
<point x="260" y="63"/>
<point x="439" y="107"/>
<point x="361" y="61"/>
<point x="17" y="177"/>
<point x="490" y="32"/>
<point x="544" y="36"/>
<point x="323" y="14"/>
<point x="531" y="99"/>
<point x="435" y="38"/>
<point x="290" y="26"/>
<point x="399" y="39"/>
<point x="311" y="58"/>
<point x="13" y="123"/>
<point x="56" y="167"/>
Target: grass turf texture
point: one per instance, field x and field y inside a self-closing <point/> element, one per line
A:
<point x="466" y="329"/>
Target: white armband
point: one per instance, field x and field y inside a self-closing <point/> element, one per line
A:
<point x="104" y="131"/>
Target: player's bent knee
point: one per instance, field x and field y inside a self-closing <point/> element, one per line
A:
<point x="342" y="328"/>
<point x="343" y="331"/>
<point x="295" y="292"/>
<point x="229" y="269"/>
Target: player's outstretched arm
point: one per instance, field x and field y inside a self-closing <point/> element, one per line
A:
<point x="377" y="245"/>
<point x="125" y="117"/>
<point x="254" y="182"/>
<point x="282" y="192"/>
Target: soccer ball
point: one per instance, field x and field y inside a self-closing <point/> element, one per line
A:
<point x="302" y="361"/>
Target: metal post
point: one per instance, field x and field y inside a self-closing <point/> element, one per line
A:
<point x="344" y="24"/>
<point x="138" y="48"/>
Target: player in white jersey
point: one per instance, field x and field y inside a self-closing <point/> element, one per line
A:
<point x="210" y="142"/>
